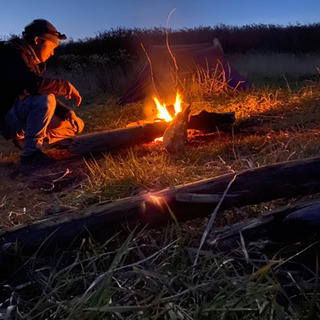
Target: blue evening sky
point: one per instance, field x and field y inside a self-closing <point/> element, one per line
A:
<point x="79" y="19"/>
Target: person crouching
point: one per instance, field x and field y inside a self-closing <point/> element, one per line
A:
<point x="29" y="109"/>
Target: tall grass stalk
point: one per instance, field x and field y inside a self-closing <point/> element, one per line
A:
<point x="207" y="83"/>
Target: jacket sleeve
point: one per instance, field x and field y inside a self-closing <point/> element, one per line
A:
<point x="58" y="87"/>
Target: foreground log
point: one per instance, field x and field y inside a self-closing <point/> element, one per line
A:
<point x="294" y="223"/>
<point x="193" y="200"/>
<point x="143" y="133"/>
<point x="285" y="240"/>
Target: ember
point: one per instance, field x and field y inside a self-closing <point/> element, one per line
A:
<point x="155" y="200"/>
<point x="158" y="140"/>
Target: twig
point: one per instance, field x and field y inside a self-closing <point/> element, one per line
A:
<point x="176" y="80"/>
<point x="225" y="164"/>
<point x="201" y="198"/>
<point x="52" y="183"/>
<point x="167" y="41"/>
<point x="212" y="218"/>
<point x="151" y="70"/>
<point x="296" y="254"/>
<point x="53" y="173"/>
<point x="60" y="178"/>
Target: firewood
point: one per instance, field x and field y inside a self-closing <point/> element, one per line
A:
<point x="252" y="186"/>
<point x="210" y="121"/>
<point x="175" y="136"/>
<point x="114" y="139"/>
<point x="141" y="132"/>
<point x="290" y="224"/>
<point x="202" y="198"/>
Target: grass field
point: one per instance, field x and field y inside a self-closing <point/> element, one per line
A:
<point x="150" y="274"/>
<point x="258" y="65"/>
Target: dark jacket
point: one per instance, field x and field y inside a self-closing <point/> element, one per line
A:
<point x="21" y="74"/>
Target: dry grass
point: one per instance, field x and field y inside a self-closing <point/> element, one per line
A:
<point x="206" y="83"/>
<point x="150" y="275"/>
<point x="273" y="125"/>
<point x="258" y="66"/>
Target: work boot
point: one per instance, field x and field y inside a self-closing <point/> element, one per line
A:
<point x="37" y="158"/>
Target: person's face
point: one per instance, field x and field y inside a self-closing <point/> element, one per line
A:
<point x="44" y="48"/>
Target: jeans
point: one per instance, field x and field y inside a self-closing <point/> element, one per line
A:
<point x="33" y="120"/>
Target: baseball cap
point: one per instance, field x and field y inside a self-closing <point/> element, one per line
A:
<point x="43" y="28"/>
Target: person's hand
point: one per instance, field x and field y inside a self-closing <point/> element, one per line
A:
<point x="73" y="93"/>
<point x="75" y="121"/>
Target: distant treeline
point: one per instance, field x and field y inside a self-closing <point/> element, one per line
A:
<point x="257" y="37"/>
<point x="122" y="46"/>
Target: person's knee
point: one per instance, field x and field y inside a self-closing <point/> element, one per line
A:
<point x="62" y="129"/>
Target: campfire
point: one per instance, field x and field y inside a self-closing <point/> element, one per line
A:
<point x="169" y="124"/>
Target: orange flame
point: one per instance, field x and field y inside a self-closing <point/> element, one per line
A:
<point x="163" y="112"/>
<point x="177" y="104"/>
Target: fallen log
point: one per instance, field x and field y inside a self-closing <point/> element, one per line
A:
<point x="142" y="132"/>
<point x="286" y="240"/>
<point x="290" y="225"/>
<point x="193" y="200"/>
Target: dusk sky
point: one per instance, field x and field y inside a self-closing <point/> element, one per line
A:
<point x="80" y="19"/>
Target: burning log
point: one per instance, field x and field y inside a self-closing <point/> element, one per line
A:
<point x="189" y="201"/>
<point x="114" y="139"/>
<point x="169" y="119"/>
<point x="142" y="132"/>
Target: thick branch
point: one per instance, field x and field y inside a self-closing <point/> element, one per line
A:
<point x="189" y="201"/>
<point x="143" y="133"/>
<point x="290" y="224"/>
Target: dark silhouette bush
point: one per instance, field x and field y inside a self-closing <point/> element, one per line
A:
<point x="121" y="46"/>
